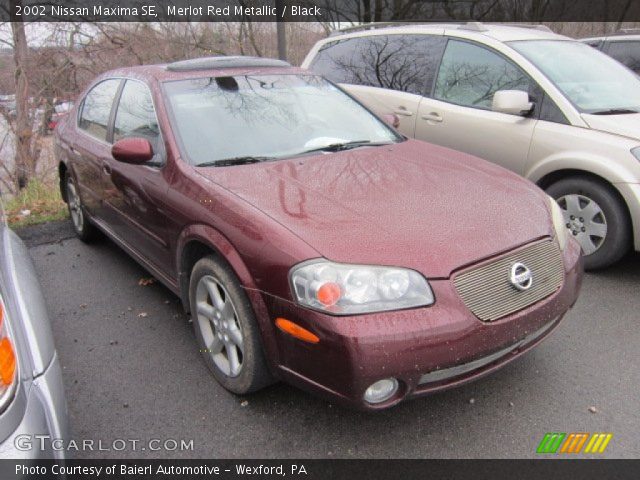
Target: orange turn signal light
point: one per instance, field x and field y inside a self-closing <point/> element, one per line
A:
<point x="296" y="330"/>
<point x="7" y="361"/>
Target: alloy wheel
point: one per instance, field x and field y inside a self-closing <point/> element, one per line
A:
<point x="218" y="322"/>
<point x="75" y="206"/>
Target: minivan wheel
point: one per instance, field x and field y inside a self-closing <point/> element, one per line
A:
<point x="83" y="227"/>
<point x="226" y="328"/>
<point x="595" y="217"/>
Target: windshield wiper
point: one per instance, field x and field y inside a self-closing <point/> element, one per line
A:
<point x="614" y="111"/>
<point x="338" y="147"/>
<point x="227" y="162"/>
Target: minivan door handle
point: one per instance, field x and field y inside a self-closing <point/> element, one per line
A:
<point x="106" y="168"/>
<point x="403" y="112"/>
<point x="432" y="117"/>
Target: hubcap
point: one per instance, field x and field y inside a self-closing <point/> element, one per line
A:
<point x="75" y="207"/>
<point x="585" y="220"/>
<point x="218" y="323"/>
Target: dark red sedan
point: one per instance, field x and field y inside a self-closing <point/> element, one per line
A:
<point x="310" y="241"/>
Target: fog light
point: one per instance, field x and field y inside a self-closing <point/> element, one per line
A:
<point x="381" y="390"/>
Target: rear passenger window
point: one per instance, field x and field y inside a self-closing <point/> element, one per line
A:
<point x="469" y="76"/>
<point x="627" y="53"/>
<point x="136" y="116"/>
<point x="406" y="63"/>
<point x="96" y="109"/>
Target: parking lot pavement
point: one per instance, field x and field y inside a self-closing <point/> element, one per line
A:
<point x="132" y="371"/>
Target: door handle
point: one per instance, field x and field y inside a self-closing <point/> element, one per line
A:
<point x="403" y="112"/>
<point x="432" y="117"/>
<point x="106" y="168"/>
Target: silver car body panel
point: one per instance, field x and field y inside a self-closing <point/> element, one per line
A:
<point x="38" y="406"/>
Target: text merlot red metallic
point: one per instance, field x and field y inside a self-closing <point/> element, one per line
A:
<point x="311" y="242"/>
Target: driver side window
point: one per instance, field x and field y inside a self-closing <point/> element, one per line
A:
<point x="469" y="76"/>
<point x="136" y="116"/>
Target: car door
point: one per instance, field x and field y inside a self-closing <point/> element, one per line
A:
<point x="388" y="73"/>
<point x="458" y="112"/>
<point x="137" y="196"/>
<point x="89" y="152"/>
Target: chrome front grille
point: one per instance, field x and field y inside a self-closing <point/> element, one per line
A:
<point x="488" y="292"/>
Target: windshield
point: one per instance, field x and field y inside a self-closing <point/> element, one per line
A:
<point x="592" y="81"/>
<point x="258" y="117"/>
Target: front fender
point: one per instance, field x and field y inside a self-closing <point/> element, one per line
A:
<point x="623" y="176"/>
<point x="217" y="242"/>
<point x="605" y="167"/>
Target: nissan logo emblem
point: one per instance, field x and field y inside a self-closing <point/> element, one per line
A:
<point x="521" y="277"/>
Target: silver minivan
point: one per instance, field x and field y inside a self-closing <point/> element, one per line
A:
<point x="550" y="108"/>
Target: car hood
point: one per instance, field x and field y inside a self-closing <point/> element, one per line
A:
<point x="410" y="204"/>
<point x="627" y="125"/>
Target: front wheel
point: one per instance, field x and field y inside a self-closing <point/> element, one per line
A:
<point x="596" y="217"/>
<point x="226" y="328"/>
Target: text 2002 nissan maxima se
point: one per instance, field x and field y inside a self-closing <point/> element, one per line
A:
<point x="310" y="242"/>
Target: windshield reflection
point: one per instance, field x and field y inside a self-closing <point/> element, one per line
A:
<point x="273" y="116"/>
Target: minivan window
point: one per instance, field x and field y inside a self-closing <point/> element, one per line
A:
<point x="136" y="116"/>
<point x="626" y="52"/>
<point x="96" y="109"/>
<point x="406" y="63"/>
<point x="470" y="75"/>
<point x="592" y="81"/>
<point x="225" y="118"/>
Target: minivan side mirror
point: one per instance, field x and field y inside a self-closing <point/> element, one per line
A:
<point x="391" y="119"/>
<point x="132" y="150"/>
<point x="513" y="102"/>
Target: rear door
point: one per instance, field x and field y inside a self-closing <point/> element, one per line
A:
<point x="89" y="152"/>
<point x="458" y="112"/>
<point x="388" y="73"/>
<point x="137" y="196"/>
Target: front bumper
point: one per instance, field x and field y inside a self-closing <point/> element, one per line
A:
<point x="426" y="349"/>
<point x="631" y="194"/>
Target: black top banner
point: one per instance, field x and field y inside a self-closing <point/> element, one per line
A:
<point x="319" y="10"/>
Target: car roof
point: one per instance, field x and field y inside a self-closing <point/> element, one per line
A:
<point x="624" y="34"/>
<point x="500" y="32"/>
<point x="206" y="66"/>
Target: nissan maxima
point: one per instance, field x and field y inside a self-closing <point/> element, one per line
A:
<point x="310" y="241"/>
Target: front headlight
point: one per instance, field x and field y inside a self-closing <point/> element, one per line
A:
<point x="636" y="152"/>
<point x="559" y="223"/>
<point x="342" y="289"/>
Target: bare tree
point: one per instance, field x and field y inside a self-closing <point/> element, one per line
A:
<point x="25" y="154"/>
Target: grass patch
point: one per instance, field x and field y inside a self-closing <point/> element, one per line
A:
<point x="43" y="202"/>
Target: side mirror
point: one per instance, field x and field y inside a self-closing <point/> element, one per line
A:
<point x="391" y="119"/>
<point x="132" y="150"/>
<point x="513" y="102"/>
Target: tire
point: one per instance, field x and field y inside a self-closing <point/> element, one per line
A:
<point x="227" y="333"/>
<point x="596" y="217"/>
<point x="83" y="227"/>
